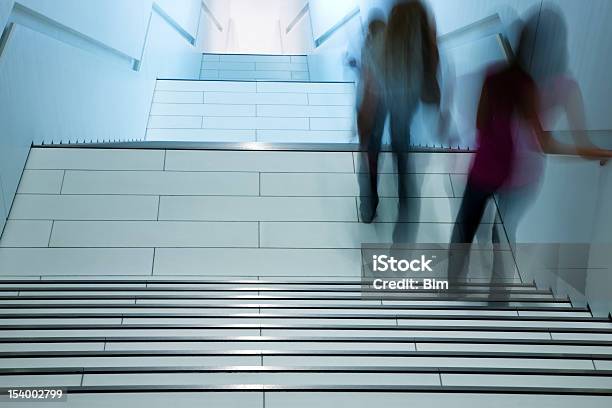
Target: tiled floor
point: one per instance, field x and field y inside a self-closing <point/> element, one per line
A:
<point x="237" y="213"/>
<point x="252" y="111"/>
<point x="254" y="67"/>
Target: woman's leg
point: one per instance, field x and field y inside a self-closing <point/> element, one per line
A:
<point x="472" y="208"/>
<point x="408" y="207"/>
<point x="368" y="185"/>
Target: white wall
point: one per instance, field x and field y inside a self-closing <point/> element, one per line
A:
<point x="185" y="12"/>
<point x="93" y="19"/>
<point x="213" y="38"/>
<point x="299" y="40"/>
<point x="255" y="27"/>
<point x="69" y="75"/>
<point x="325" y="14"/>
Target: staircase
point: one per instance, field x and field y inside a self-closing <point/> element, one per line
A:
<point x="254" y="67"/>
<point x="230" y="278"/>
<point x="244" y="111"/>
<point x="259" y="342"/>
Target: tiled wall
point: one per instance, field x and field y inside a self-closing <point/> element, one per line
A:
<point x="255" y="67"/>
<point x="240" y="213"/>
<point x="252" y="111"/>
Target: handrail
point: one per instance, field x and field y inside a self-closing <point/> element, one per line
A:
<point x="4" y="38"/>
<point x="298" y="17"/>
<point x="36" y="21"/>
<point x="326" y="35"/>
<point x="212" y="16"/>
<point x="489" y="23"/>
<point x="172" y="23"/>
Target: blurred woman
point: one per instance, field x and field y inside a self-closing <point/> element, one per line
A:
<point x="402" y="67"/>
<point x="510" y="136"/>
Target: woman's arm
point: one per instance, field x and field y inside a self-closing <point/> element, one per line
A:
<point x="549" y="144"/>
<point x="574" y="110"/>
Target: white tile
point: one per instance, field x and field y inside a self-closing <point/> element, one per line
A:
<point x="253" y="58"/>
<point x="544" y="381"/>
<point x="310" y="87"/>
<point x="261" y="345"/>
<point x="257" y="303"/>
<point x="46" y="381"/>
<point x="41" y="181"/>
<point x="202" y="135"/>
<point x="294" y="111"/>
<point x="431" y="399"/>
<point x="24" y="322"/>
<point x="209" y="86"/>
<point x="395" y="361"/>
<point x="297" y="379"/>
<point x="280" y="66"/>
<point x="80" y="207"/>
<point x="406" y="334"/>
<point x="231" y="66"/>
<point x="273" y="75"/>
<point x="256" y="98"/>
<point x="201" y="109"/>
<point x="254" y="123"/>
<point x="238" y="75"/>
<point x="77" y="261"/>
<point x="271" y="262"/>
<point x="156" y="361"/>
<point x="178" y="97"/>
<point x="160" y="183"/>
<point x="259" y="161"/>
<point x="322" y="184"/>
<point x="309" y="184"/>
<point x="511" y="348"/>
<point x="306" y="136"/>
<point x="20" y="347"/>
<point x="174" y="122"/>
<point x="281" y="87"/>
<point x="331" y="88"/>
<point x="210" y="57"/>
<point x="258" y="75"/>
<point x="132" y="234"/>
<point x="95" y="159"/>
<point x="553" y="314"/>
<point x="209" y="74"/>
<point x="332" y="124"/>
<point x="331" y="99"/>
<point x="257" y="209"/>
<point x="253" y="320"/>
<point x="582" y="336"/>
<point x="301" y="59"/>
<point x="603" y="364"/>
<point x="26" y="234"/>
<point x="345" y="234"/>
<point x="498" y="323"/>
<point x="232" y="399"/>
<point x="121" y="333"/>
<point x="300" y="76"/>
<point x="423" y="162"/>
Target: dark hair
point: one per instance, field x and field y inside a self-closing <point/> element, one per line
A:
<point x="542" y="48"/>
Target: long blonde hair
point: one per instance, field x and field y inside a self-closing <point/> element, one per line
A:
<point x="404" y="65"/>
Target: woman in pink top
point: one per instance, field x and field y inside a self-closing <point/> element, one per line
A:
<point x="510" y="100"/>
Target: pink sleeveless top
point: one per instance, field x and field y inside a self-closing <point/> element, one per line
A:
<point x="495" y="160"/>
